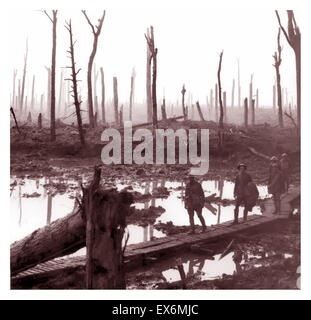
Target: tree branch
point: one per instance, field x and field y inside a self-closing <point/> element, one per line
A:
<point x="282" y="28"/>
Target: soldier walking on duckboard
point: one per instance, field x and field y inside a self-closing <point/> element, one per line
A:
<point x="194" y="202"/>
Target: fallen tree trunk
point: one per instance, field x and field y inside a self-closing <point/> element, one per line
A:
<point x="259" y="154"/>
<point x="61" y="237"/>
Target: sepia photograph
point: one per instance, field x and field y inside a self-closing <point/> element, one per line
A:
<point x="155" y="148"/>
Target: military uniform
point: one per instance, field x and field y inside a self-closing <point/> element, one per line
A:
<point x="194" y="202"/>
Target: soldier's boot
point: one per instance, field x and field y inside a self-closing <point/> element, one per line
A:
<point x="245" y="213"/>
<point x="236" y="216"/>
<point x="191" y="218"/>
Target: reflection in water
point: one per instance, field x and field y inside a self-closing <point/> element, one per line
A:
<point x="28" y="213"/>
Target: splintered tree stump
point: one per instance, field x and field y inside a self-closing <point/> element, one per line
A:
<point x="105" y="229"/>
<point x="106" y="213"/>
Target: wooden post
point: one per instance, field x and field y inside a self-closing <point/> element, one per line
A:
<point x="103" y="96"/>
<point x="200" y="111"/>
<point x="105" y="213"/>
<point x="245" y="113"/>
<point x="115" y="100"/>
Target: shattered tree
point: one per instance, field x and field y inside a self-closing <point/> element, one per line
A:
<point x="53" y="71"/>
<point x="293" y="38"/>
<point x="221" y="117"/>
<point x="74" y="80"/>
<point x="96" y="33"/>
<point x="184" y="109"/>
<point x="277" y="62"/>
<point x="153" y="59"/>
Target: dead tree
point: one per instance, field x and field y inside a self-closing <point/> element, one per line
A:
<point x="41" y="102"/>
<point x="183" y="91"/>
<point x="15" y="120"/>
<point x="163" y="110"/>
<point x="32" y="103"/>
<point x="103" y="95"/>
<point x="148" y="81"/>
<point x="132" y="94"/>
<point x="95" y="88"/>
<point x="250" y="99"/>
<point x="14" y="84"/>
<point x="200" y="111"/>
<point x="239" y="86"/>
<point x="153" y="59"/>
<point x="40" y="121"/>
<point x="257" y="98"/>
<point x="60" y="93"/>
<point x="48" y="92"/>
<point x="74" y="73"/>
<point x="221" y="109"/>
<point x="274" y="98"/>
<point x="53" y="68"/>
<point x="216" y="103"/>
<point x="245" y="113"/>
<point x="277" y="62"/>
<point x="225" y="107"/>
<point x="293" y="38"/>
<point x="96" y="32"/>
<point x="116" y="99"/>
<point x="22" y="93"/>
<point x="121" y="116"/>
<point x="232" y="93"/>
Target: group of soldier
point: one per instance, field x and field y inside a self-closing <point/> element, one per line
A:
<point x="245" y="191"/>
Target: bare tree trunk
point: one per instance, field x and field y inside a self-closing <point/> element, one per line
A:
<point x="96" y="32"/>
<point x="293" y="37"/>
<point x="221" y="118"/>
<point x="24" y="79"/>
<point x="121" y="116"/>
<point x="53" y="71"/>
<point x="32" y="103"/>
<point x="225" y="106"/>
<point x="200" y="111"/>
<point x="183" y="91"/>
<point x="153" y="51"/>
<point x="253" y="112"/>
<point x="60" y="93"/>
<point x="74" y="74"/>
<point x="148" y="81"/>
<point x="257" y="98"/>
<point x="232" y="94"/>
<point x="14" y="84"/>
<point x="115" y="100"/>
<point x="103" y="96"/>
<point x="250" y="99"/>
<point x="245" y="113"/>
<point x="239" y="86"/>
<point x="132" y="94"/>
<point x="163" y="109"/>
<point x="95" y="90"/>
<point x="216" y="103"/>
<point x="40" y="121"/>
<point x="277" y="62"/>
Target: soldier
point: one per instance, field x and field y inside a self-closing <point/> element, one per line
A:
<point x="285" y="167"/>
<point x="242" y="181"/>
<point x="276" y="184"/>
<point x="194" y="202"/>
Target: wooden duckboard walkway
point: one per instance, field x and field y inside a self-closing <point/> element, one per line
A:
<point x="138" y="254"/>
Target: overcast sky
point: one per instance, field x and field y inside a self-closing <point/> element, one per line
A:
<point x="189" y="41"/>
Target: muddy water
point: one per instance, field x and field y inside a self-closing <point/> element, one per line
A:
<point x="37" y="202"/>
